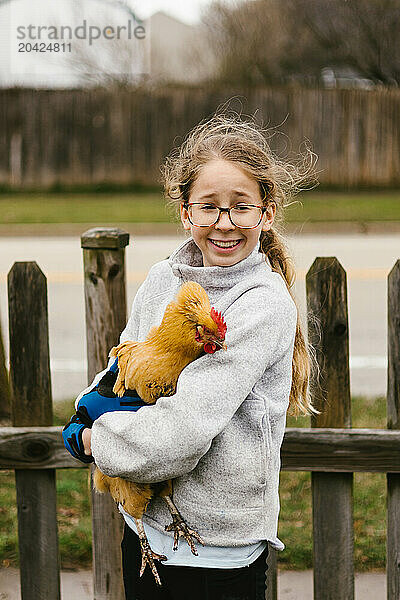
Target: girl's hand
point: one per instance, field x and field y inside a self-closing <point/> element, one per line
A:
<point x="87" y="439"/>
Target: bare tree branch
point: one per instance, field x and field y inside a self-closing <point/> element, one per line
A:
<point x="270" y="41"/>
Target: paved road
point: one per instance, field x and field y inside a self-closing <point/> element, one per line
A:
<point x="367" y="259"/>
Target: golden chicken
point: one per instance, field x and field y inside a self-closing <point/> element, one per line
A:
<point x="190" y="327"/>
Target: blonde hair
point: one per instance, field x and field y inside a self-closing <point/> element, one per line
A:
<point x="230" y="137"/>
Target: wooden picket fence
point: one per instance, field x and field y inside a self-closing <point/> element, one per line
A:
<point x="330" y="449"/>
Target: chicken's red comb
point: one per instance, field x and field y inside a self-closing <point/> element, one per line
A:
<point x="219" y="319"/>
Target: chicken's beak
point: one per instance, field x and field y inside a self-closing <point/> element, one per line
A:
<point x="220" y="344"/>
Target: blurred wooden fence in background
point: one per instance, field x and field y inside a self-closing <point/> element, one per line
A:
<point x="79" y="137"/>
<point x="330" y="449"/>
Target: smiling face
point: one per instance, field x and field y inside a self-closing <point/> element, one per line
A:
<point x="224" y="184"/>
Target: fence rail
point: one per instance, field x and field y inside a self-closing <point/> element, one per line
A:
<point x="330" y="449"/>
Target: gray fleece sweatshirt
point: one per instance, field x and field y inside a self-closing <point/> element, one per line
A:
<point x="219" y="436"/>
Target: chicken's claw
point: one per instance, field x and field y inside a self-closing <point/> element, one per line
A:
<point x="148" y="556"/>
<point x="180" y="528"/>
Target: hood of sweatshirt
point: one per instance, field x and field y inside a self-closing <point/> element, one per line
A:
<point x="187" y="264"/>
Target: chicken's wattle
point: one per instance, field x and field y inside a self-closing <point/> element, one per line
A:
<point x="210" y="348"/>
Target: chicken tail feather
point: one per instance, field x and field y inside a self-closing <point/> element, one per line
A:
<point x="100" y="481"/>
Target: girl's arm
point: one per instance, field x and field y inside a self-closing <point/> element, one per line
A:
<point x="168" y="439"/>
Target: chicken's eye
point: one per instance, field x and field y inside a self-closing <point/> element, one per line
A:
<point x="207" y="331"/>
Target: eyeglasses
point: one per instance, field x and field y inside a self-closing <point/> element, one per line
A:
<point x="245" y="216"/>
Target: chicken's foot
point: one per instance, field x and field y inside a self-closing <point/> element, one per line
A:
<point x="180" y="528"/>
<point x="148" y="556"/>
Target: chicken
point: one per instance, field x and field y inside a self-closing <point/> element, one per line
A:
<point x="190" y="326"/>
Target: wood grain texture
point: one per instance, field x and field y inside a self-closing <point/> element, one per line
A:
<point x="333" y="536"/>
<point x="37" y="534"/>
<point x="393" y="422"/>
<point x="35" y="448"/>
<point x="393" y="537"/>
<point x="393" y="387"/>
<point x="326" y="450"/>
<point x="332" y="493"/>
<point x="329" y="334"/>
<point x="105" y="307"/>
<point x="110" y="238"/>
<point x="5" y="400"/>
<point x="32" y="405"/>
<point x="341" y="450"/>
<point x="105" y="304"/>
<point x="272" y="575"/>
<point x="29" y="345"/>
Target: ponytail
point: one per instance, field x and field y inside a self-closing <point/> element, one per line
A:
<point x="274" y="248"/>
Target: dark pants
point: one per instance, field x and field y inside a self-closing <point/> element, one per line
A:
<point x="189" y="583"/>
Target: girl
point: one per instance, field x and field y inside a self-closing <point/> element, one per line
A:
<point x="219" y="436"/>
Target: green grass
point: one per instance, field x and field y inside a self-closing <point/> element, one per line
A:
<point x="85" y="208"/>
<point x="150" y="207"/>
<point x="295" y="518"/>
<point x="336" y="206"/>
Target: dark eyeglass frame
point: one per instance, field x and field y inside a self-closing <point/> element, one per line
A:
<point x="227" y="210"/>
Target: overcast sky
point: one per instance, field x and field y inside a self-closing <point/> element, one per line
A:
<point x="185" y="10"/>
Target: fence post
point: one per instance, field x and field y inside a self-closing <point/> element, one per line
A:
<point x="332" y="493"/>
<point x="393" y="422"/>
<point x="272" y="575"/>
<point x="105" y="302"/>
<point x="32" y="406"/>
<point x="5" y="401"/>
